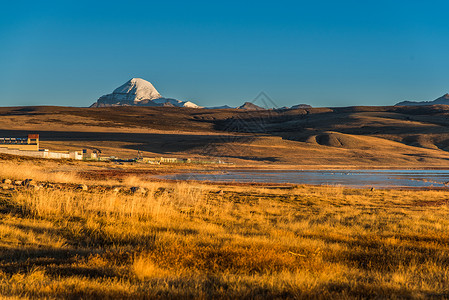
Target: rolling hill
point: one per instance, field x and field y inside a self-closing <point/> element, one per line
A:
<point x="394" y="136"/>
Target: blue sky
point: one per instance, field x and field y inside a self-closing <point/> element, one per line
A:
<point x="324" y="53"/>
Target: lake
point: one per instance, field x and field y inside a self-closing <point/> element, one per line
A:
<point x="348" y="178"/>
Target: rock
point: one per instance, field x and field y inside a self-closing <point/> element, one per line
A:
<point x="49" y="185"/>
<point x="33" y="187"/>
<point x="7" y="181"/>
<point x="82" y="187"/>
<point x="18" y="182"/>
<point x="30" y="184"/>
<point x="116" y="189"/>
<point x="138" y="190"/>
<point x="27" y="181"/>
<point x="6" y="187"/>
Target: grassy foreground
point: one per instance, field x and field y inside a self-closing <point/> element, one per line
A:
<point x="205" y="241"/>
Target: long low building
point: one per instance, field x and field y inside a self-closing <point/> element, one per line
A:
<point x="30" y="147"/>
<point x="31" y="143"/>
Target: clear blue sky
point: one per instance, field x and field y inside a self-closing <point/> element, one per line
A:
<point x="324" y="53"/>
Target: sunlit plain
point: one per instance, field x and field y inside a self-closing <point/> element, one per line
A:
<point x="201" y="241"/>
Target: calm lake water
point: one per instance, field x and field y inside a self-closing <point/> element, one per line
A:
<point x="349" y="178"/>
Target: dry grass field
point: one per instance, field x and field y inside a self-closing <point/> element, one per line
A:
<point x="179" y="240"/>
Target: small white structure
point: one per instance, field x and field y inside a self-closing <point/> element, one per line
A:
<point x="76" y="155"/>
<point x="43" y="153"/>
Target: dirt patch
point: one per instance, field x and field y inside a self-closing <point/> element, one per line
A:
<point x="429" y="203"/>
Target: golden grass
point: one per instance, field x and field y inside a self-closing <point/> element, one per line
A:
<point x="189" y="241"/>
<point x="36" y="170"/>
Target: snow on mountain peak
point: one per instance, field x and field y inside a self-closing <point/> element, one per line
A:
<point x="136" y="89"/>
<point x="139" y="92"/>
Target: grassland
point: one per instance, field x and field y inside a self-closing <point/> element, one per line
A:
<point x="209" y="241"/>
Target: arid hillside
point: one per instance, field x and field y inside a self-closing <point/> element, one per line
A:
<point x="312" y="137"/>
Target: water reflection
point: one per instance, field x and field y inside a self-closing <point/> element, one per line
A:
<point x="349" y="178"/>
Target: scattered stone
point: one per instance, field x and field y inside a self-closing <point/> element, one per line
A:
<point x="220" y="192"/>
<point x="7" y="181"/>
<point x="116" y="189"/>
<point x="33" y="187"/>
<point x="138" y="190"/>
<point x="27" y="181"/>
<point x="49" y="185"/>
<point x="82" y="187"/>
<point x="18" y="182"/>
<point x="6" y="187"/>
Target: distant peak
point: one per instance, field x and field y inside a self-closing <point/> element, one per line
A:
<point x="444" y="97"/>
<point x="138" y="91"/>
<point x="250" y="106"/>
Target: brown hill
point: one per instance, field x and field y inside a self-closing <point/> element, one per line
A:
<point x="250" y="106"/>
<point x="312" y="137"/>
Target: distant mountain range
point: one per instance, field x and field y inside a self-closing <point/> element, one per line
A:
<point x="442" y="100"/>
<point x="139" y="92"/>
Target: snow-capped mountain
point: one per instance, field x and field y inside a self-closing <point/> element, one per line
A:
<point x="139" y="92"/>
